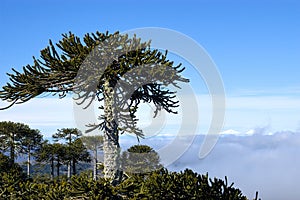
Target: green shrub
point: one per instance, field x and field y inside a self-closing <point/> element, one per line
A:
<point x="183" y="185"/>
<point x="140" y="159"/>
<point x="160" y="184"/>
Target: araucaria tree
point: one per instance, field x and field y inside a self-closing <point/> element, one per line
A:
<point x="69" y="135"/>
<point x="18" y="138"/>
<point x="140" y="159"/>
<point x="93" y="143"/>
<point x="54" y="154"/>
<point x="30" y="143"/>
<point x="114" y="69"/>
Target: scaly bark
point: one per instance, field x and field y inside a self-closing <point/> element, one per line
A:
<point x="111" y="146"/>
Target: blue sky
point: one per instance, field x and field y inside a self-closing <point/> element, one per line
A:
<point x="255" y="45"/>
<point x="247" y="39"/>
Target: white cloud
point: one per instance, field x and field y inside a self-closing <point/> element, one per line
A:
<point x="230" y="132"/>
<point x="242" y="114"/>
<point x="46" y="114"/>
<point x="258" y="162"/>
<point x="265" y="163"/>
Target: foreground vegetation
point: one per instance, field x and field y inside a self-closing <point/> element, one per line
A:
<point x="144" y="177"/>
<point x="160" y="184"/>
<point x="157" y="184"/>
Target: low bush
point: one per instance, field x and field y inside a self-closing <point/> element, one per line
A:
<point x="160" y="184"/>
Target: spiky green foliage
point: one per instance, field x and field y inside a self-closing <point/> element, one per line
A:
<point x="77" y="152"/>
<point x="140" y="159"/>
<point x="163" y="184"/>
<point x="7" y="167"/>
<point x="67" y="134"/>
<point x="54" y="154"/>
<point x="57" y="154"/>
<point x="10" y="176"/>
<point x="157" y="185"/>
<point x="18" y="138"/>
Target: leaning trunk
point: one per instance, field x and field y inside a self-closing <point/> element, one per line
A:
<point x="111" y="145"/>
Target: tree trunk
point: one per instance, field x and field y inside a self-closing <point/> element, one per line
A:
<point x="111" y="145"/>
<point x="74" y="166"/>
<point x="95" y="164"/>
<point x="12" y="149"/>
<point x="28" y="161"/>
<point x="52" y="168"/>
<point x="69" y="169"/>
<point x="69" y="162"/>
<point x="57" y="166"/>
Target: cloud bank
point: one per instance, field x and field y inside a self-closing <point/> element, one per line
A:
<point x="266" y="163"/>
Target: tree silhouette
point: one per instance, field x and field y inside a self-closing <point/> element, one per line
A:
<point x="30" y="143"/>
<point x="46" y="154"/>
<point x="69" y="135"/>
<point x="140" y="159"/>
<point x="93" y="143"/>
<point x="6" y="167"/>
<point x="78" y="152"/>
<point x="5" y="164"/>
<point x="114" y="69"/>
<point x="18" y="138"/>
<point x="59" y="151"/>
<point x="10" y="138"/>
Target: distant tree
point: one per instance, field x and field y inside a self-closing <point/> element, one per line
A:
<point x="78" y="153"/>
<point x="53" y="154"/>
<point x="140" y="159"/>
<point x="13" y="169"/>
<point x="30" y="143"/>
<point x="93" y="143"/>
<point x="69" y="135"/>
<point x="45" y="155"/>
<point x="17" y="138"/>
<point x="10" y="138"/>
<point x="60" y="155"/>
<point x="5" y="164"/>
